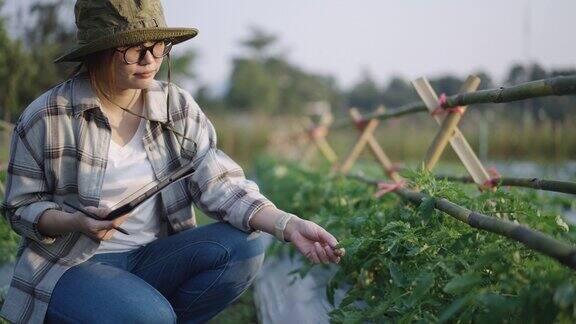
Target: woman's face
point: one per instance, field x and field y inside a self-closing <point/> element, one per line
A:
<point x="139" y="74"/>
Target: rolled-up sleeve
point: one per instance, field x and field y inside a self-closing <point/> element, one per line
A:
<point x="26" y="195"/>
<point x="219" y="186"/>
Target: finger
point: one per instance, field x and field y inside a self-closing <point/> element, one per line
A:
<point x="333" y="257"/>
<point x="312" y="256"/>
<point x="321" y="253"/>
<point x="325" y="236"/>
<point x="104" y="225"/>
<point x="339" y="251"/>
<point x="104" y="211"/>
<point x="100" y="212"/>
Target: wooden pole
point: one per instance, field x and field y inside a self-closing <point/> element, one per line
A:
<point x="534" y="183"/>
<point x="317" y="140"/>
<point x="458" y="142"/>
<point x="375" y="148"/>
<point x="449" y="124"/>
<point x="365" y="136"/>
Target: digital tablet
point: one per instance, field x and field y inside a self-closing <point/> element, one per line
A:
<point x="125" y="208"/>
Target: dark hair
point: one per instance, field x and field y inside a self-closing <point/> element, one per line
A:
<point x="102" y="72"/>
<point x="100" y="67"/>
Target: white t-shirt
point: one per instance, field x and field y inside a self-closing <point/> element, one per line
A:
<point x="127" y="171"/>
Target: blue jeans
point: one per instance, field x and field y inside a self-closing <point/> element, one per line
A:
<point x="188" y="277"/>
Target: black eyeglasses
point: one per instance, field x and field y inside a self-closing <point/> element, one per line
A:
<point x="135" y="54"/>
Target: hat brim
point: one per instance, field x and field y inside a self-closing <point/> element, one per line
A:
<point x="130" y="37"/>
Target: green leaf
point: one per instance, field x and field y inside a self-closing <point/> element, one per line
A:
<point x="427" y="207"/>
<point x="417" y="250"/>
<point x="397" y="275"/>
<point x="422" y="285"/>
<point x="453" y="309"/>
<point x="562" y="224"/>
<point x="462" y="283"/>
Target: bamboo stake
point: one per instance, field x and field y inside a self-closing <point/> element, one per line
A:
<point x="449" y="125"/>
<point x="375" y="148"/>
<point x="317" y="140"/>
<point x="563" y="252"/>
<point x="534" y="183"/>
<point x="366" y="134"/>
<point x="326" y="149"/>
<point x="359" y="146"/>
<point x="458" y="142"/>
<point x="384" y="160"/>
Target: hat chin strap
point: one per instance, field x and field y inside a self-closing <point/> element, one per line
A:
<point x="168" y="89"/>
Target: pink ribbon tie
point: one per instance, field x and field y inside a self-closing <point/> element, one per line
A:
<point x="440" y="110"/>
<point x="386" y="187"/>
<point x="494" y="178"/>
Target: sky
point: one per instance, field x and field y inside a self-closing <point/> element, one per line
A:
<point x="409" y="38"/>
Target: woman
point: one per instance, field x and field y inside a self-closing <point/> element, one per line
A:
<point x="93" y="141"/>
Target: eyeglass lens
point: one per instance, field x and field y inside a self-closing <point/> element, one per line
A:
<point x="136" y="53"/>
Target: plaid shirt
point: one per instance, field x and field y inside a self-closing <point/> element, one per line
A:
<point x="59" y="153"/>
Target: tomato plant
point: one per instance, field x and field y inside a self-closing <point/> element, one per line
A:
<point x="413" y="263"/>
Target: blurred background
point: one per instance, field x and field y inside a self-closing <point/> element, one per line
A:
<point x="257" y="65"/>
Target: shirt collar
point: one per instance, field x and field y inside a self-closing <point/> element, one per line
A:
<point x="84" y="98"/>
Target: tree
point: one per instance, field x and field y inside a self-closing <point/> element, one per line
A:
<point x="259" y="43"/>
<point x="252" y="87"/>
<point x="27" y="63"/>
<point x="398" y="92"/>
<point x="14" y="63"/>
<point x="267" y="82"/>
<point x="182" y="66"/>
<point x="365" y="94"/>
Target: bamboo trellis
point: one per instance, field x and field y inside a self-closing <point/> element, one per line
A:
<point x="367" y="138"/>
<point x="317" y="133"/>
<point x="533" y="239"/>
<point x="557" y="86"/>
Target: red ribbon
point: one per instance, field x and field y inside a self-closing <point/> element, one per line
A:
<point x="361" y="124"/>
<point x="318" y="131"/>
<point x="494" y="178"/>
<point x="386" y="187"/>
<point x="440" y="110"/>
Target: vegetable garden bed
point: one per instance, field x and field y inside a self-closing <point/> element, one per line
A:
<point x="412" y="263"/>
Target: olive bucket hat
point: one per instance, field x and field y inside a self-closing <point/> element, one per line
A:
<point x="104" y="24"/>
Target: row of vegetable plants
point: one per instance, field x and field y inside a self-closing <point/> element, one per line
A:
<point x="409" y="262"/>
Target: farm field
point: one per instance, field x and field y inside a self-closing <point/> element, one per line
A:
<point x="412" y="263"/>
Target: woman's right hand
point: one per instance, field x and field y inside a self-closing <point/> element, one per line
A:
<point x="98" y="230"/>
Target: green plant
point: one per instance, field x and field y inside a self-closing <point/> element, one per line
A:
<point x="412" y="263"/>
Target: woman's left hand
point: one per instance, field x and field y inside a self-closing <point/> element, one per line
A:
<point x="313" y="241"/>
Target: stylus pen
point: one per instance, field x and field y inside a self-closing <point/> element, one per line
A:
<point x="91" y="215"/>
